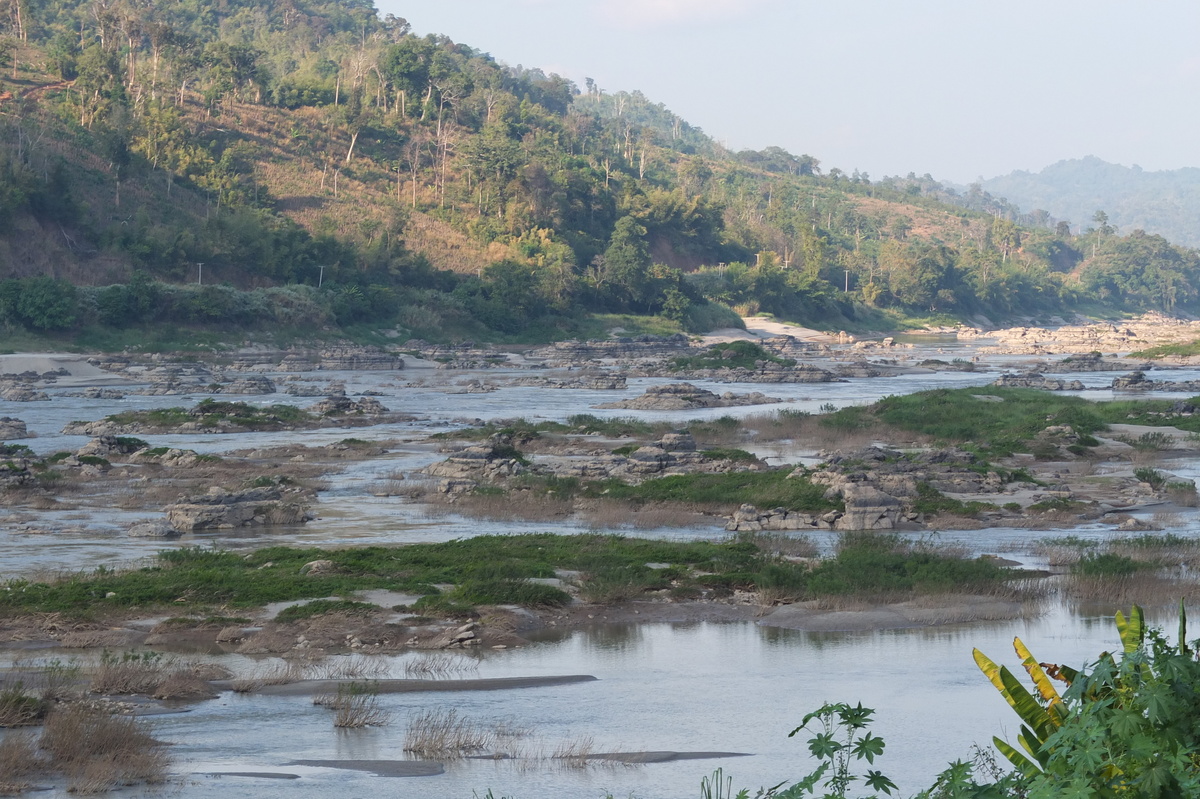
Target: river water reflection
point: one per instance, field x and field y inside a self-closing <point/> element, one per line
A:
<point x="697" y="687"/>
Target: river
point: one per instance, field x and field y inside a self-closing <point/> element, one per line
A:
<point x="700" y="687"/>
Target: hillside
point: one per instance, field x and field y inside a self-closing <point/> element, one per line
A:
<point x="1166" y="203"/>
<point x="309" y="166"/>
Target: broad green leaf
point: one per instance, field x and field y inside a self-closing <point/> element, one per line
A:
<point x="878" y="782"/>
<point x="869" y="746"/>
<point x="1026" y="706"/>
<point x="1132" y="629"/>
<point x="823" y="745"/>
<point x="1019" y="761"/>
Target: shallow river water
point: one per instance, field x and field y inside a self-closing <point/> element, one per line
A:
<point x="689" y="688"/>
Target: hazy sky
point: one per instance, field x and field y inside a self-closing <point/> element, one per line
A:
<point x="957" y="88"/>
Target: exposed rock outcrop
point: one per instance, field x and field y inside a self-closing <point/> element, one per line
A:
<point x="591" y="382"/>
<point x="255" y="507"/>
<point x="1039" y="381"/>
<point x="12" y="429"/>
<point x="1137" y="381"/>
<point x="486" y="462"/>
<point x="23" y="393"/>
<point x="344" y="406"/>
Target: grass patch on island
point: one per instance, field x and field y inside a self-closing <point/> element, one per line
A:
<point x="500" y="570"/>
<point x="763" y="489"/>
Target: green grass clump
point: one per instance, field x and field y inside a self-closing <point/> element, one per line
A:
<point x="958" y="415"/>
<point x="765" y="489"/>
<point x="510" y="592"/>
<point x="158" y="417"/>
<point x="871" y="563"/>
<point x="930" y="500"/>
<point x="487" y="570"/>
<point x="620" y="427"/>
<point x="731" y="354"/>
<point x="319" y="607"/>
<point x="94" y="460"/>
<point x="1002" y="428"/>
<point x="1107" y="564"/>
<point x="1154" y="477"/>
<point x="1172" y="350"/>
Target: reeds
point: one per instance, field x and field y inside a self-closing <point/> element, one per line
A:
<point x="576" y="752"/>
<point x="445" y="734"/>
<point x="275" y="673"/>
<point x="352" y="667"/>
<point x="154" y="675"/>
<point x="439" y="665"/>
<point x="355" y="705"/>
<point x="1147" y="587"/>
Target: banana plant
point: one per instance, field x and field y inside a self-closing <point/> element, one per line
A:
<point x="1044" y="714"/>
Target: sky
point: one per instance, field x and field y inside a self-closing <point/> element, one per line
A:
<point x="958" y="89"/>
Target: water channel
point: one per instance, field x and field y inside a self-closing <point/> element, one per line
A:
<point x="699" y="687"/>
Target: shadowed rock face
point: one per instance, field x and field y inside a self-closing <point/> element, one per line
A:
<point x="12" y="429"/>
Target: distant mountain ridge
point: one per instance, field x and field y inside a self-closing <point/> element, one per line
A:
<point x="1164" y="202"/>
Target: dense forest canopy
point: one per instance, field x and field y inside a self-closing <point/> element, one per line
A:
<point x="324" y="163"/>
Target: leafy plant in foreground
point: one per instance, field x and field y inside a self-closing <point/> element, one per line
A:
<point x="1122" y="730"/>
<point x="841" y="742"/>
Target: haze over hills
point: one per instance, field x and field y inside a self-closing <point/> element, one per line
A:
<point x="1165" y="202"/>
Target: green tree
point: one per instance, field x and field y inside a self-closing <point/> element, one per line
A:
<point x="626" y="262"/>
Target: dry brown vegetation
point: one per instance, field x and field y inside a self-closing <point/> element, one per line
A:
<point x="649" y="516"/>
<point x="154" y="675"/>
<point x="445" y="734"/>
<point x="19" y="761"/>
<point x="98" y="751"/>
<point x="274" y="673"/>
<point x="355" y="705"/>
<point x="525" y="505"/>
<point x="439" y="665"/>
<point x="1147" y="588"/>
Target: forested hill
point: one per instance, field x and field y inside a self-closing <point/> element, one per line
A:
<point x="316" y="166"/>
<point x="1166" y="202"/>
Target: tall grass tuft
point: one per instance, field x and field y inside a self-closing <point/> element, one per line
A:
<point x="355" y="705"/>
<point x="275" y="673"/>
<point x="444" y="734"/>
<point x="437" y="665"/>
